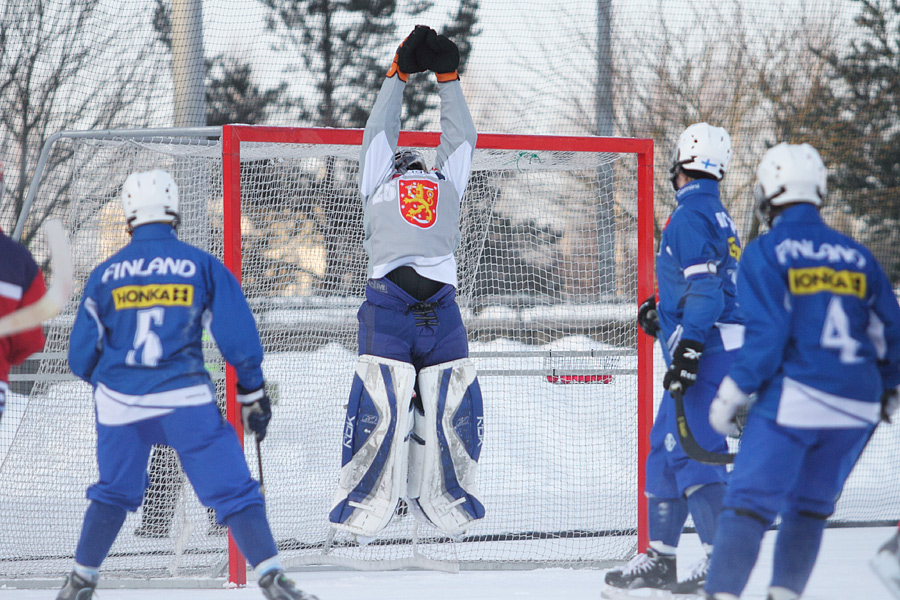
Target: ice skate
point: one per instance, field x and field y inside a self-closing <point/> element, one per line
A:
<point x="649" y="575"/>
<point x="886" y="564"/>
<point x="76" y="588"/>
<point x="276" y="586"/>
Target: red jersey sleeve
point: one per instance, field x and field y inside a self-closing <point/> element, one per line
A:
<point x="25" y="343"/>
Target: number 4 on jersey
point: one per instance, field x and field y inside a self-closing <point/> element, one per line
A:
<point x="836" y="333"/>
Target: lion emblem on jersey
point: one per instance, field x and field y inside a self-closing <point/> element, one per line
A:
<point x="418" y="202"/>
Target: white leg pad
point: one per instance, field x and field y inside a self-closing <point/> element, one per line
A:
<point x="445" y="447"/>
<point x="374" y="446"/>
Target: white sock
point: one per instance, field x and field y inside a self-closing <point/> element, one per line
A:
<point x="87" y="573"/>
<point x="270" y="564"/>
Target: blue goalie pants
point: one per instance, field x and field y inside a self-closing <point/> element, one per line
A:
<point x="400" y="338"/>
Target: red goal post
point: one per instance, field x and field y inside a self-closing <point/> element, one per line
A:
<point x="234" y="135"/>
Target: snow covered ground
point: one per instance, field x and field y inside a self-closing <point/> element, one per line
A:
<point x="841" y="573"/>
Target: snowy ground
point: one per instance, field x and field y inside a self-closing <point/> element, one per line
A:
<point x="842" y="573"/>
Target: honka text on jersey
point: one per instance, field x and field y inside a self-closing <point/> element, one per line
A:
<point x="157" y="266"/>
<point x="833" y="253"/>
<point x="159" y="294"/>
<point x="813" y="280"/>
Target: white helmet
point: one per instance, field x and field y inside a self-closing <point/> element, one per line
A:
<point x="704" y="148"/>
<point x="789" y="173"/>
<point x="150" y="197"/>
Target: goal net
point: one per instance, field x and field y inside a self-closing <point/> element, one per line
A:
<point x="556" y="249"/>
<point x="548" y="272"/>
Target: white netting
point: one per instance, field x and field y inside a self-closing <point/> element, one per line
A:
<point x="547" y="289"/>
<point x="547" y="285"/>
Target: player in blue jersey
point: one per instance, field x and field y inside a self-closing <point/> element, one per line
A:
<point x="137" y="339"/>
<point x="411" y="334"/>
<point x="822" y="353"/>
<point x="697" y="322"/>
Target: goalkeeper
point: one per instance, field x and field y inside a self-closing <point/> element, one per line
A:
<point x="411" y="335"/>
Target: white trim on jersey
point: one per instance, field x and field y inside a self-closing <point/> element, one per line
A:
<point x="11" y="290"/>
<point x="701" y="269"/>
<point x="436" y="268"/>
<point x="806" y="407"/>
<point x="116" y="408"/>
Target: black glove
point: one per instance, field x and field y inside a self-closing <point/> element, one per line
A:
<point x="648" y="318"/>
<point x="256" y="410"/>
<point x="685" y="362"/>
<point x="405" y="60"/>
<point x="441" y="55"/>
<point x="890" y="400"/>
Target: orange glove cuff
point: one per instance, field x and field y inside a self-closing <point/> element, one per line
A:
<point x="444" y="77"/>
<point x="394" y="69"/>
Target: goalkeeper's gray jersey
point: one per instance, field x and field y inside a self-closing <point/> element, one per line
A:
<point x="413" y="219"/>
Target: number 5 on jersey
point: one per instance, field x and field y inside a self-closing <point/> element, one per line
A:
<point x="147" y="345"/>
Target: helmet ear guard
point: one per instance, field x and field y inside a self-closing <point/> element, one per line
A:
<point x="408" y="160"/>
<point x="150" y="197"/>
<point x="788" y="174"/>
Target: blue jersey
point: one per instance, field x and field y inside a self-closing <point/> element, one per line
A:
<point x="823" y="325"/>
<point x="695" y="271"/>
<point x="137" y="336"/>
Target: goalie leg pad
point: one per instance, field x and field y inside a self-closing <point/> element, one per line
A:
<point x="374" y="449"/>
<point x="446" y="444"/>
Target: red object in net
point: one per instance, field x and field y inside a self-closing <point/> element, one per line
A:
<point x="579" y="378"/>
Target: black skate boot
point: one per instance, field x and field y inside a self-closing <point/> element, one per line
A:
<point x="695" y="581"/>
<point x="650" y="570"/>
<point x="76" y="588"/>
<point x="275" y="586"/>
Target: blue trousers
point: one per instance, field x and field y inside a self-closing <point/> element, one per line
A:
<point x="669" y="470"/>
<point x="784" y="469"/>
<point x="207" y="445"/>
<point x="393" y="324"/>
<point x="797" y="473"/>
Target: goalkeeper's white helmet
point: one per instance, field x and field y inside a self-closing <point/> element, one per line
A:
<point x="150" y="197"/>
<point x="702" y="148"/>
<point x="789" y="173"/>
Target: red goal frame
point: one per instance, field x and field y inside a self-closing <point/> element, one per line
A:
<point x="234" y="135"/>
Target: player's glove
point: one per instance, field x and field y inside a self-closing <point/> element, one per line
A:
<point x="890" y="401"/>
<point x="405" y="60"/>
<point x="256" y="410"/>
<point x="726" y="407"/>
<point x="441" y="55"/>
<point x="685" y="362"/>
<point x="648" y="318"/>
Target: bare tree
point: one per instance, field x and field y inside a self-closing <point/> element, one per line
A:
<point x="54" y="77"/>
<point x="346" y="47"/>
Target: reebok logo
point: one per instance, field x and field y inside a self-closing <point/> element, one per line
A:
<point x="691" y="354"/>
